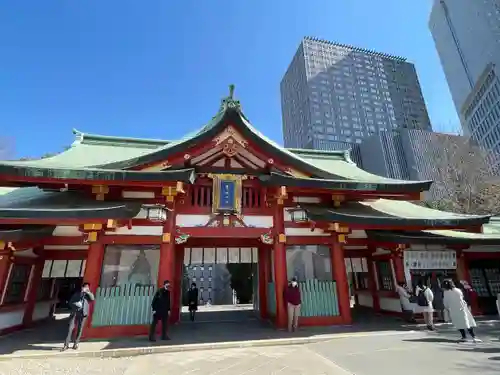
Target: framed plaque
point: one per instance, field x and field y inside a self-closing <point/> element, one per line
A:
<point x="227" y="193"/>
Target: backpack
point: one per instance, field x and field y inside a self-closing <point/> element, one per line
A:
<point x="422" y="299"/>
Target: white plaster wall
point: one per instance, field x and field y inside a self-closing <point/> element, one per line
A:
<point x="365" y="299"/>
<point x="11" y="318"/>
<point x="258" y="221"/>
<point x="184" y="220"/>
<point x="305" y="232"/>
<point x="138" y="194"/>
<point x="390" y="304"/>
<point x="138" y="230"/>
<point x="42" y="310"/>
<point x="306" y="199"/>
<point x="67" y="230"/>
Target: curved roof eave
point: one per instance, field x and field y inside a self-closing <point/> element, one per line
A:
<point x="276" y="179"/>
<point x="433" y="237"/>
<point x="27" y="232"/>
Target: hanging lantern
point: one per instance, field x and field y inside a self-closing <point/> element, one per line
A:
<point x="157" y="213"/>
<point x="298" y="215"/>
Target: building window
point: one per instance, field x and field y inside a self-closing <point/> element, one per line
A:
<point x="44" y="290"/>
<point x="130" y="264"/>
<point x="384" y="275"/>
<point x="309" y="262"/>
<point x="18" y="283"/>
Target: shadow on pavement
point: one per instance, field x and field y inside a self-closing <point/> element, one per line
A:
<point x="49" y="337"/>
<point x="432" y="340"/>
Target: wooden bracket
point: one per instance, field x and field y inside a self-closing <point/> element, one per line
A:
<point x="282" y="195"/>
<point x="100" y="191"/>
<point x="166" y="238"/>
<point x="170" y="192"/>
<point x="338" y="199"/>
<point x="336" y="227"/>
<point x="91" y="237"/>
<point x="92" y="226"/>
<point x="111" y="224"/>
<point x="341" y="238"/>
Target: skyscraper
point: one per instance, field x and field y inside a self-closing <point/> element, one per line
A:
<point x="467" y="38"/>
<point x="334" y="95"/>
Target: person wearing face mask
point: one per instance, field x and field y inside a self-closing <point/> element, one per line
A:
<point x="80" y="305"/>
<point x="161" y="311"/>
<point x="293" y="301"/>
<point x="193" y="301"/>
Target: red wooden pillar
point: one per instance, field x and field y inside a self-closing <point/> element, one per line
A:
<point x="280" y="271"/>
<point x="35" y="278"/>
<point x="177" y="290"/>
<point x="92" y="275"/>
<point x="463" y="273"/>
<point x="372" y="283"/>
<point x="166" y="267"/>
<point x="399" y="267"/>
<point x="5" y="263"/>
<point x="263" y="259"/>
<point x="339" y="274"/>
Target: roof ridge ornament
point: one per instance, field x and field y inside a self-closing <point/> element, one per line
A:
<point x="229" y="101"/>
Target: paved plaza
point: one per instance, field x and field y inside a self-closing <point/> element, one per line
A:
<point x="394" y="353"/>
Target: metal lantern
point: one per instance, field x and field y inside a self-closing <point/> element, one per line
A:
<point x="157" y="213"/>
<point x="298" y="215"/>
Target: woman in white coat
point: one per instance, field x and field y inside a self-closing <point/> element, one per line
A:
<point x="458" y="311"/>
<point x="404" y="299"/>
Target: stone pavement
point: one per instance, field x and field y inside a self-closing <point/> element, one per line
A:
<point x="47" y="340"/>
<point x="409" y="353"/>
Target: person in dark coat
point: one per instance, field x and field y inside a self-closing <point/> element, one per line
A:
<point x="293" y="301"/>
<point x="193" y="301"/>
<point x="79" y="304"/>
<point x="161" y="311"/>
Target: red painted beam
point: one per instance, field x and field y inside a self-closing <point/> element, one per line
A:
<point x="231" y="232"/>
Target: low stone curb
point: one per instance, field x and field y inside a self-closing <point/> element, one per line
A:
<point x="132" y="352"/>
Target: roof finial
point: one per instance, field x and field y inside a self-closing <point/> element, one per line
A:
<point x="231" y="91"/>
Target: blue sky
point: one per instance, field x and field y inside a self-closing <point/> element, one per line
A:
<point x="159" y="68"/>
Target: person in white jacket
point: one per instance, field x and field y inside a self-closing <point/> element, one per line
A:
<point x="458" y="311"/>
<point x="404" y="299"/>
<point x="425" y="297"/>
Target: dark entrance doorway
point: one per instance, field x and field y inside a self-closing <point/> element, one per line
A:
<point x="485" y="280"/>
<point x="226" y="278"/>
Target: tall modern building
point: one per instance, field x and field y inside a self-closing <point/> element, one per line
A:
<point x="410" y="154"/>
<point x="335" y="95"/>
<point x="467" y="38"/>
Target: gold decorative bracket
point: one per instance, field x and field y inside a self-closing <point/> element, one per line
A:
<point x="170" y="192"/>
<point x="282" y="238"/>
<point x="92" y="226"/>
<point x="282" y="195"/>
<point x="100" y="191"/>
<point x="336" y="227"/>
<point x="338" y="199"/>
<point x="341" y="238"/>
<point x="91" y="237"/>
<point x="111" y="224"/>
<point x="166" y="238"/>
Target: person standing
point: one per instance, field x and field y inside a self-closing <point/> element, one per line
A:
<point x="425" y="298"/>
<point x="79" y="304"/>
<point x="437" y="302"/>
<point x="192" y="301"/>
<point x="293" y="301"/>
<point x="459" y="313"/>
<point x="161" y="310"/>
<point x="404" y="299"/>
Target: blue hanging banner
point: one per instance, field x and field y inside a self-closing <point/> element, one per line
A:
<point x="227" y="195"/>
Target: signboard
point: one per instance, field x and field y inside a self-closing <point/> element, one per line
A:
<point x="227" y="195"/>
<point x="430" y="260"/>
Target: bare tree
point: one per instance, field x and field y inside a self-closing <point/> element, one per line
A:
<point x="465" y="176"/>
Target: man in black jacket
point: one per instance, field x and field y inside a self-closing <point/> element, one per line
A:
<point x="161" y="310"/>
<point x="79" y="304"/>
